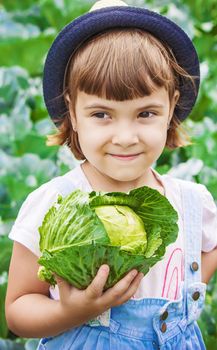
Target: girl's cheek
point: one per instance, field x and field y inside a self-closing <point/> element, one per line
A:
<point x="153" y="137"/>
<point x="91" y="138"/>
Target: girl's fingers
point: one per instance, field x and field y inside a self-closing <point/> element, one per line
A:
<point x="64" y="287"/>
<point x="95" y="289"/>
<point x="120" y="287"/>
<point x="120" y="293"/>
<point x="132" y="289"/>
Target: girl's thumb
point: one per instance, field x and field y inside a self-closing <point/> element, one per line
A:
<point x="95" y="289"/>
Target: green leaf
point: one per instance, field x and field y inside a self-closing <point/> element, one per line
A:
<point x="154" y="241"/>
<point x="79" y="264"/>
<point x="5" y="253"/>
<point x="155" y="209"/>
<point x="35" y="144"/>
<point x="60" y="13"/>
<point x="3" y="288"/>
<point x="29" y="171"/>
<point x="17" y="4"/>
<point x="20" y="51"/>
<point x="73" y="222"/>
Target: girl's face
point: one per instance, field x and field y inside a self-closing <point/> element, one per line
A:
<point x="121" y="140"/>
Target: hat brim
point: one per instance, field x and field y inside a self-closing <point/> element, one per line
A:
<point x="92" y="23"/>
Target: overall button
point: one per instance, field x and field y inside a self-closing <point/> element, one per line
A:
<point x="164" y="315"/>
<point x="163" y="327"/>
<point x="194" y="266"/>
<point x="196" y="296"/>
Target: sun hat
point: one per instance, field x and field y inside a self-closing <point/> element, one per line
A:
<point x="107" y="14"/>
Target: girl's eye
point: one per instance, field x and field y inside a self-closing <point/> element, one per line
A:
<point x="146" y="115"/>
<point x="101" y="115"/>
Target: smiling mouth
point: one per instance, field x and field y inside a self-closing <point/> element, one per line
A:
<point x="125" y="156"/>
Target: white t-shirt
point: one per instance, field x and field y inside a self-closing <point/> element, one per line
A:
<point x="164" y="278"/>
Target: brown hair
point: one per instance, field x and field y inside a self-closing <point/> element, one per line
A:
<point x="121" y="64"/>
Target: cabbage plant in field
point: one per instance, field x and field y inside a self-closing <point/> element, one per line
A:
<point x="84" y="230"/>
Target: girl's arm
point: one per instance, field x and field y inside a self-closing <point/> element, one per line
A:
<point x="31" y="313"/>
<point x="208" y="265"/>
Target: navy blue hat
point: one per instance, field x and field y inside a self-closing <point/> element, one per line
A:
<point x="105" y="18"/>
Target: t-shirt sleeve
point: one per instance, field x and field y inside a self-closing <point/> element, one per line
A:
<point x="209" y="234"/>
<point x="30" y="217"/>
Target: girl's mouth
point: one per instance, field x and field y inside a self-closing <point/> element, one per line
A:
<point x="125" y="156"/>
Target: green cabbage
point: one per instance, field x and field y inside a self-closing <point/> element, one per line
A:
<point x="85" y="230"/>
<point x="124" y="228"/>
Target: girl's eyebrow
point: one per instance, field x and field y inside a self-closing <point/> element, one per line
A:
<point x="98" y="106"/>
<point x="153" y="105"/>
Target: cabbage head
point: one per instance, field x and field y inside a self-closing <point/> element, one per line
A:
<point x="116" y="219"/>
<point x="84" y="230"/>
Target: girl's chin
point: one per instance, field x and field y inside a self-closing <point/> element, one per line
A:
<point x="124" y="176"/>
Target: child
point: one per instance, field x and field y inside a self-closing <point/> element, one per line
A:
<point x="118" y="82"/>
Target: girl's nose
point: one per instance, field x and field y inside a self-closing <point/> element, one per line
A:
<point x="125" y="137"/>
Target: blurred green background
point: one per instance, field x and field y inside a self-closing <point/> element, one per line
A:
<point x="27" y="29"/>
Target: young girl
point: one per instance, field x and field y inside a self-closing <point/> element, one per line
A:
<point x="118" y="82"/>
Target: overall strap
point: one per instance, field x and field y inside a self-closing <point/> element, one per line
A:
<point x="192" y="217"/>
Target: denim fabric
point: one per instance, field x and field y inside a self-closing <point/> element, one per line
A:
<point x="139" y="324"/>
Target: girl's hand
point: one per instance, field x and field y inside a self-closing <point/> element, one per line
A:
<point x="50" y="317"/>
<point x="91" y="302"/>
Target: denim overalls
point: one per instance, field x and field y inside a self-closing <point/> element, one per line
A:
<point x="151" y="323"/>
